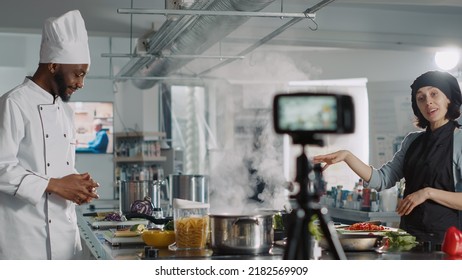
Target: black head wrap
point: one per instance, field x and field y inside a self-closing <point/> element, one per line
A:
<point x="443" y="81"/>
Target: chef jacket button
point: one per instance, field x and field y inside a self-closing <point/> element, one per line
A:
<point x="41" y="108"/>
<point x="48" y="164"/>
<point x="64" y="135"/>
<point x="46" y="135"/>
<point x="67" y="162"/>
<point x="49" y="221"/>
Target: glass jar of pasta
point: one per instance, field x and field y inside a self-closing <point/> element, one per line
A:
<point x="191" y="221"/>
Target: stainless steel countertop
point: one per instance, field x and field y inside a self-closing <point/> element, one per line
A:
<point x="96" y="245"/>
<point x="99" y="248"/>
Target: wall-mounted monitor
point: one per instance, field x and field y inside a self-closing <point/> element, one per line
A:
<point x="94" y="122"/>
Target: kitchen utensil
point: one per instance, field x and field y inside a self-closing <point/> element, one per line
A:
<point x="241" y="234"/>
<point x="152" y="219"/>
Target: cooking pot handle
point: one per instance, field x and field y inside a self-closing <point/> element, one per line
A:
<point x="245" y="221"/>
<point x="147" y="217"/>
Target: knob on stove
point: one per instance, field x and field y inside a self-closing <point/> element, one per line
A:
<point x="150" y="253"/>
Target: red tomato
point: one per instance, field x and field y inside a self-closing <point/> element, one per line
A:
<point x="365" y="226"/>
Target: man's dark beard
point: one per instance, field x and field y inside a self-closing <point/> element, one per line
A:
<point x="59" y="79"/>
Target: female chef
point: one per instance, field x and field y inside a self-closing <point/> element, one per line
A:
<point x="429" y="160"/>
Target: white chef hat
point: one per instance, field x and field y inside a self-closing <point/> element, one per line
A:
<point x="65" y="40"/>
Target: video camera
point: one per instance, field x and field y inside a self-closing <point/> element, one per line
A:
<point x="307" y="114"/>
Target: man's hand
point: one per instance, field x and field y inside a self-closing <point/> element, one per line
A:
<point x="79" y="188"/>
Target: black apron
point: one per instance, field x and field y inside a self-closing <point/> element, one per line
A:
<point x="428" y="162"/>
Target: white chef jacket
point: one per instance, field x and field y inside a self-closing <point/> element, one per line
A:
<point x="37" y="142"/>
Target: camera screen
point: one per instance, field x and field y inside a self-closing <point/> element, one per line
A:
<point x="313" y="113"/>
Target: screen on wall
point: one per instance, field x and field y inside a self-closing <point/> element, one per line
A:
<point x="94" y="122"/>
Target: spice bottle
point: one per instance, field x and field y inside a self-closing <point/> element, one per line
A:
<point x="366" y="205"/>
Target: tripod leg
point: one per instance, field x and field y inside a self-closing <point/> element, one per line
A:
<point x="298" y="244"/>
<point x="330" y="234"/>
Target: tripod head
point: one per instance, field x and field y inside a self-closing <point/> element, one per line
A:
<point x="306" y="138"/>
<point x="305" y="168"/>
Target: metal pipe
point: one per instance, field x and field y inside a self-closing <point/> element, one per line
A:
<point x="158" y="78"/>
<point x="110" y="77"/>
<point x="198" y="56"/>
<point x="270" y="36"/>
<point x="213" y="13"/>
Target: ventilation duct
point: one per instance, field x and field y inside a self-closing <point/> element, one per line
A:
<point x="186" y="35"/>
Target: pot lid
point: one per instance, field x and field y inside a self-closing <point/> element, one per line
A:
<point x="188" y="204"/>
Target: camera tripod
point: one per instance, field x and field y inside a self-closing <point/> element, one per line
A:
<point x="299" y="242"/>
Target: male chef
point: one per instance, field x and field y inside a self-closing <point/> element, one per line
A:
<point x="39" y="186"/>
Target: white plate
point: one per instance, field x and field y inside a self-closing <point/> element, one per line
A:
<point x="366" y="232"/>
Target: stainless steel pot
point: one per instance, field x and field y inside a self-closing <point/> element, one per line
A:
<point x="241" y="234"/>
<point x="189" y="187"/>
<point x="130" y="191"/>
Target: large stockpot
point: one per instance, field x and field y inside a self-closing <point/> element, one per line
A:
<point x="241" y="234"/>
<point x="189" y="187"/>
<point x="130" y="191"/>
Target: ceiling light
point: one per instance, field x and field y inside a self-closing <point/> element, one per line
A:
<point x="447" y="59"/>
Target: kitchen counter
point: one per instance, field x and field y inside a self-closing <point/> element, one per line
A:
<point x="96" y="247"/>
<point x="411" y="255"/>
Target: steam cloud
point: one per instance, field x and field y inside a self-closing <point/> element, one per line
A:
<point x="231" y="183"/>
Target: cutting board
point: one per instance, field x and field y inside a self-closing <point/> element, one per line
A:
<point x="110" y="237"/>
<point x="114" y="224"/>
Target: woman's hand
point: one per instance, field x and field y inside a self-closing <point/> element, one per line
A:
<point x="360" y="168"/>
<point x="411" y="201"/>
<point x="449" y="199"/>
<point x="330" y="159"/>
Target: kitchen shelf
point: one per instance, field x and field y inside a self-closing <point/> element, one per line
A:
<point x="138" y="156"/>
